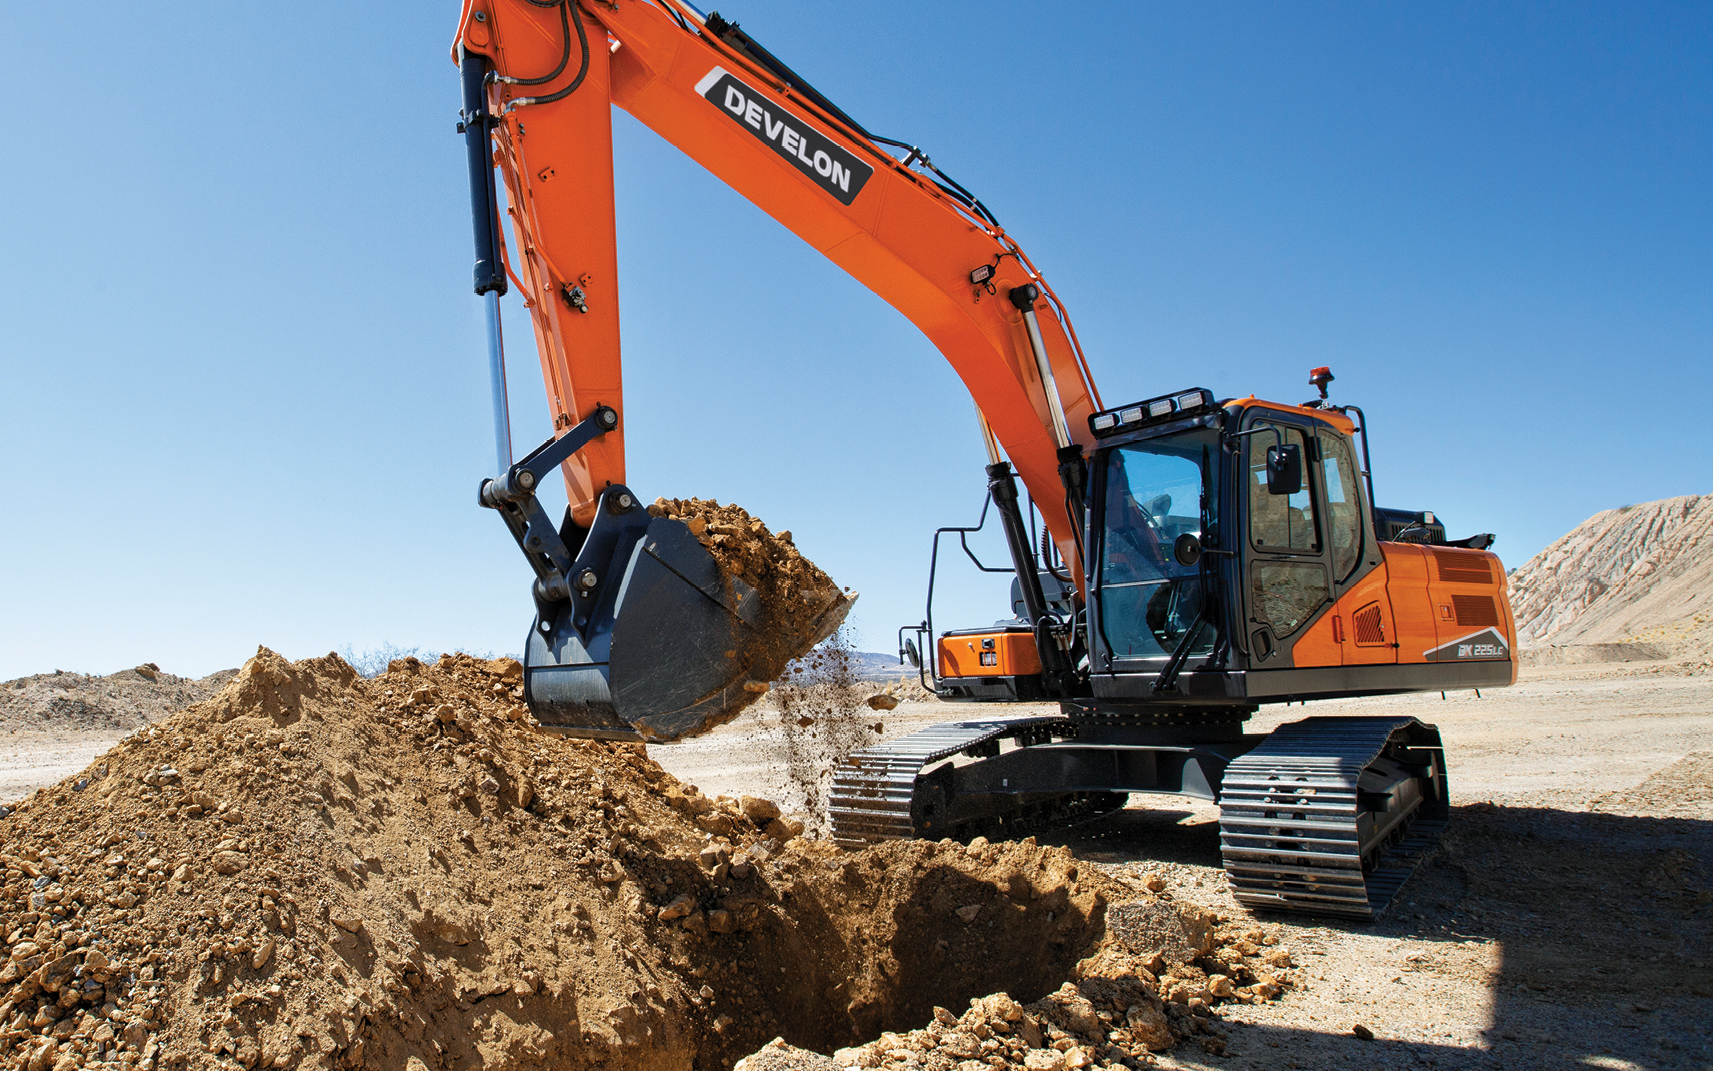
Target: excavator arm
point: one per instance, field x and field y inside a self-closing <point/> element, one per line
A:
<point x="541" y="77"/>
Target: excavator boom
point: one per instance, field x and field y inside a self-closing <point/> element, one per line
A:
<point x="541" y="78"/>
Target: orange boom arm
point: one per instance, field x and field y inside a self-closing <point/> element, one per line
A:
<point x="932" y="253"/>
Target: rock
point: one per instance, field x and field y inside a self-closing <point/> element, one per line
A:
<point x="1153" y="882"/>
<point x="678" y="908"/>
<point x="1362" y="1032"/>
<point x="1213" y="1046"/>
<point x="182" y="872"/>
<point x="348" y="923"/>
<point x="997" y="1006"/>
<point x="1044" y="1060"/>
<point x="1177" y="933"/>
<point x="721" y="921"/>
<point x="229" y="862"/>
<point x="1220" y="986"/>
<point x="489" y="786"/>
<point x="1149" y="1028"/>
<point x="1279" y="958"/>
<point x="969" y="913"/>
<point x="42" y="1057"/>
<point x="94" y="960"/>
<point x="262" y="955"/>
<point x="758" y="810"/>
<point x="714" y="856"/>
<point x="1076" y="1059"/>
<point x="960" y="1045"/>
<point x="882" y="702"/>
<point x="784" y="829"/>
<point x="1073" y="1011"/>
<point x="58" y="972"/>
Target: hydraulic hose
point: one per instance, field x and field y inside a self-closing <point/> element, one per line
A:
<point x="564" y="55"/>
<point x="582" y="70"/>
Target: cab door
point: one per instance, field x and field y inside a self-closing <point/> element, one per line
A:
<point x="1362" y="618"/>
<point x="1288" y="583"/>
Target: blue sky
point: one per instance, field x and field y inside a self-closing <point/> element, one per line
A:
<point x="244" y="391"/>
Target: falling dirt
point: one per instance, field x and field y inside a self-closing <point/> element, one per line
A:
<point x="823" y="709"/>
<point x="315" y="870"/>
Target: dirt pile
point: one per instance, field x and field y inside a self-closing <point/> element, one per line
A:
<point x="77" y="702"/>
<point x="315" y="870"/>
<point x="1640" y="576"/>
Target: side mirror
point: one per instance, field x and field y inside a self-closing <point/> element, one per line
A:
<point x="1187" y="549"/>
<point x="911" y="654"/>
<point x="1284" y="469"/>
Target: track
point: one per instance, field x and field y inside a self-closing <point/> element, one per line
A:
<point x="1329" y="816"/>
<point x="874" y="791"/>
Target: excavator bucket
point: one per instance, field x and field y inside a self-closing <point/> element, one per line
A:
<point x="662" y="643"/>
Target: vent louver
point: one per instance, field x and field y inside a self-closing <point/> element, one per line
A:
<point x="1475" y="610"/>
<point x="1463" y="566"/>
<point x="1370" y="632"/>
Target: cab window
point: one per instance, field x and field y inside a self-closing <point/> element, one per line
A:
<point x="1284" y="523"/>
<point x="1157" y="491"/>
<point x="1344" y="515"/>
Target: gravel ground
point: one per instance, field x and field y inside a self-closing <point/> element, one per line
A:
<point x="1566" y="921"/>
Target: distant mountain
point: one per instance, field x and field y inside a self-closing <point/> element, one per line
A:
<point x="1639" y="575"/>
<point x="872" y="666"/>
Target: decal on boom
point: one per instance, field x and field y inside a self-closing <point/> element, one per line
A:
<point x="807" y="149"/>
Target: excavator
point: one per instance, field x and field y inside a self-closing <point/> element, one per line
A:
<point x="1195" y="558"/>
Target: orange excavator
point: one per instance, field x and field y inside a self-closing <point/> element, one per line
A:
<point x="1196" y="558"/>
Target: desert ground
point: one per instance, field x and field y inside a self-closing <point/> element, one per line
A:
<point x="1565" y="921"/>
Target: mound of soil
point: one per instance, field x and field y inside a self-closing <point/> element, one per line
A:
<point x="77" y="702"/>
<point x="312" y="869"/>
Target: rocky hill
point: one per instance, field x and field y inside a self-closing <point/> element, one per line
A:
<point x="76" y="702"/>
<point x="1626" y="584"/>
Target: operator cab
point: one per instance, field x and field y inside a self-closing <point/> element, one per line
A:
<point x="1233" y="557"/>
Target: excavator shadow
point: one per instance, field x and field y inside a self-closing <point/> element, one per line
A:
<point x="1589" y="935"/>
